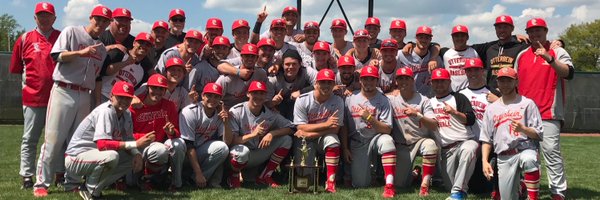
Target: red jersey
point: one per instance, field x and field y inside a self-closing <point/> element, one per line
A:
<point x="31" y="55"/>
<point x="153" y="118"/>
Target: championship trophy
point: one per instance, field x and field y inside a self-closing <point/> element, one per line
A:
<point x="300" y="175"/>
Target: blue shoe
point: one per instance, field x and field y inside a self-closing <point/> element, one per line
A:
<point x="456" y="196"/>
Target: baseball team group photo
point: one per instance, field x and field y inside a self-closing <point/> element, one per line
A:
<point x="267" y="99"/>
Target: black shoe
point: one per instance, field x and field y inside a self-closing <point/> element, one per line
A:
<point x="27" y="183"/>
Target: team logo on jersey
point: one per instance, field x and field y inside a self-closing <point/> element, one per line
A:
<point x="533" y="22"/>
<point x="45" y="5"/>
<point x="126" y="88"/>
<point x="214" y="22"/>
<point x="104" y="11"/>
<point x="177" y="11"/>
<point x="502" y="18"/>
<point x="346" y="59"/>
<point x="397" y="23"/>
<point x="36" y="47"/>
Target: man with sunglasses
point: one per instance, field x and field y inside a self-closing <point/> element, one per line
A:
<point x="176" y="26"/>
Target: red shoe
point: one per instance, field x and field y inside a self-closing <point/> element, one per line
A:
<point x="330" y="186"/>
<point x="389" y="191"/>
<point x="557" y="197"/>
<point x="40" y="192"/>
<point x="495" y="195"/>
<point x="268" y="181"/>
<point x="234" y="181"/>
<point x="424" y="191"/>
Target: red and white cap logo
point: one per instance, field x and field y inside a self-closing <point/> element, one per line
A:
<point x="258" y="85"/>
<point x="346" y="59"/>
<point x="45" y="5"/>
<point x="250" y="48"/>
<point x="214" y="87"/>
<point x="126" y="88"/>
<point x="241" y="22"/>
<point x="327" y="73"/>
<point x="534" y="22"/>
<point x="221" y="40"/>
<point x="160" y="23"/>
<point x="337" y="22"/>
<point x="425" y="28"/>
<point x="124" y="11"/>
<point x="503" y="18"/>
<point x="459" y="28"/>
<point x="178" y="11"/>
<point x="176" y="61"/>
<point x="104" y="11"/>
<point x="147" y="36"/>
<point x="438" y="73"/>
<point x="214" y="22"/>
<point x="472" y="62"/>
<point x="397" y="23"/>
<point x="373" y="20"/>
<point x="403" y="70"/>
<point x="370" y="70"/>
<point x="195" y="33"/>
<point x="160" y="80"/>
<point x="322" y="45"/>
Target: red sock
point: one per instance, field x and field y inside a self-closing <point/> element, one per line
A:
<point x="532" y="182"/>
<point x="332" y="158"/>
<point x="152" y="168"/>
<point x="236" y="166"/>
<point x="429" y="165"/>
<point x="388" y="160"/>
<point x="276" y="158"/>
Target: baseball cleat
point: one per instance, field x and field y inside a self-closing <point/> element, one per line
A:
<point x="59" y="179"/>
<point x="234" y="182"/>
<point x="424" y="191"/>
<point x="557" y="197"/>
<point x="330" y="186"/>
<point x="389" y="191"/>
<point x="85" y="195"/>
<point x="40" y="192"/>
<point x="268" y="181"/>
<point x="495" y="195"/>
<point x="27" y="183"/>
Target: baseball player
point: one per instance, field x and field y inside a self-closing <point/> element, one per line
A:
<point x="175" y="72"/>
<point x="310" y="44"/>
<point x="290" y="16"/>
<point x="260" y="136"/>
<point x="214" y="28"/>
<point x="368" y="134"/>
<point x="160" y="32"/>
<point x="176" y="25"/>
<point x="79" y="59"/>
<point x="512" y="127"/>
<point x="207" y="133"/>
<point x="362" y="52"/>
<point x="120" y="66"/>
<point x="103" y="148"/>
<point x="206" y="71"/>
<point x="318" y="116"/>
<point x="160" y="116"/>
<point x="454" y="113"/>
<point x="398" y="32"/>
<point x="414" y="121"/>
<point x="278" y="33"/>
<point x="373" y="26"/>
<point x="31" y="58"/>
<point x="454" y="58"/>
<point x="187" y="51"/>
<point x="346" y="79"/>
<point x="542" y="72"/>
<point x="235" y="88"/>
<point x="419" y="60"/>
<point x="240" y="30"/>
<point x="339" y="29"/>
<point x="266" y="51"/>
<point x="117" y="36"/>
<point x="289" y="83"/>
<point x="388" y="65"/>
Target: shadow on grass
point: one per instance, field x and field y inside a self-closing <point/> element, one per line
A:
<point x="582" y="193"/>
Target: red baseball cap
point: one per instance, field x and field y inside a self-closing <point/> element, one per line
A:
<point x="176" y="12"/>
<point x="405" y="71"/>
<point x="536" y="22"/>
<point x="277" y="23"/>
<point x="321" y="46"/>
<point x="221" y="40"/>
<point x="102" y="11"/>
<point x="143" y="36"/>
<point x="339" y="23"/>
<point x="160" y="24"/>
<point x="44" y="7"/>
<point x="194" y="34"/>
<point x="121" y="12"/>
<point x="460" y="29"/>
<point x="326" y="75"/>
<point x="504" y="19"/>
<point x="369" y="70"/>
<point x="240" y="23"/>
<point x="289" y="9"/>
<point x="257" y="86"/>
<point x="157" y="80"/>
<point x="122" y="88"/>
<point x="373" y="21"/>
<point x="361" y="33"/>
<point x="346" y="61"/>
<point x="398" y="24"/>
<point x="175" y="62"/>
<point x="473" y="63"/>
<point x="266" y="42"/>
<point x="214" y="23"/>
<point x="440" y="74"/>
<point x="311" y="25"/>
<point x="213" y="88"/>
<point x="249" y="49"/>
<point x="507" y="72"/>
<point x="389" y="44"/>
<point x="424" y="30"/>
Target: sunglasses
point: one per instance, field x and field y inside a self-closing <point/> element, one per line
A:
<point x="178" y="19"/>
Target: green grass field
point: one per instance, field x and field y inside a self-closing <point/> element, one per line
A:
<point x="581" y="154"/>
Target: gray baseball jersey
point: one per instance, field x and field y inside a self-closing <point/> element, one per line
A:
<point x="179" y="95"/>
<point x="378" y="105"/>
<point x="387" y="81"/>
<point x="360" y="64"/>
<point x="101" y="124"/>
<point x="170" y="53"/>
<point x="131" y="73"/>
<point x="287" y="38"/>
<point x="235" y="89"/>
<point x="410" y="128"/>
<point x="450" y="129"/>
<point x="478" y="99"/>
<point x="243" y="122"/>
<point x="496" y="127"/>
<point x="308" y="110"/>
<point x="202" y="73"/>
<point x="420" y="68"/>
<point x="454" y="61"/>
<point x="307" y="54"/>
<point x="195" y="126"/>
<point x="349" y="45"/>
<point x="80" y="71"/>
<point x="278" y="55"/>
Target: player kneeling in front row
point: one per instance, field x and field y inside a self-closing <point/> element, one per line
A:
<point x="510" y="127"/>
<point x="158" y="115"/>
<point x="201" y="126"/>
<point x="368" y="131"/>
<point x="412" y="132"/>
<point x="319" y="115"/>
<point x="259" y="135"/>
<point x="102" y="148"/>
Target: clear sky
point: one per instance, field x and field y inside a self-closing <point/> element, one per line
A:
<point x="441" y="15"/>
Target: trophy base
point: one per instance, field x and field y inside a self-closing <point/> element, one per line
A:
<point x="299" y="183"/>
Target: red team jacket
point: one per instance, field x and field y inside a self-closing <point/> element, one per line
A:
<point x="152" y="118"/>
<point x="31" y="55"/>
